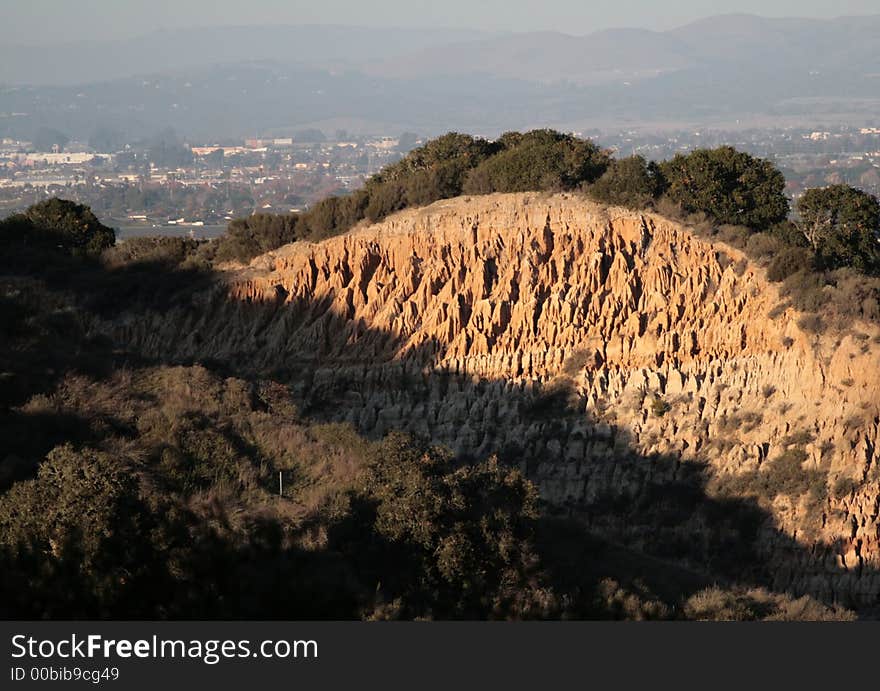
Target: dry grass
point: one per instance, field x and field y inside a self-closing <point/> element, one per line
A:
<point x="218" y="437"/>
<point x="757" y="604"/>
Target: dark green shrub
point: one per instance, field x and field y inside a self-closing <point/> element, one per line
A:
<point x="576" y="362"/>
<point x="448" y="542"/>
<point x="247" y="237"/>
<point x="331" y="216"/>
<point x="77" y="539"/>
<point x="731" y="186"/>
<point x="788" y="262"/>
<point x="855" y="295"/>
<point x="762" y="246"/>
<point x="72" y="225"/>
<point x="541" y="160"/>
<point x="386" y="199"/>
<point x="842" y="224"/>
<point x="459" y="151"/>
<point x="778" y="310"/>
<point x="799" y="438"/>
<point x="659" y="407"/>
<point x="811" y="323"/>
<point x="789" y="234"/>
<point x="739" y="604"/>
<point x="57" y="224"/>
<point x="631" y="182"/>
<point x="553" y="400"/>
<point x="199" y="456"/>
<point x="737" y="236"/>
<point x="806" y="290"/>
<point x="170" y="251"/>
<point x="786" y="475"/>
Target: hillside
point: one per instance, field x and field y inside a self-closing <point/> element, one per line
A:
<point x="654" y="385"/>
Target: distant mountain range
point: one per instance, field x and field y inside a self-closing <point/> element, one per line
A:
<point x="82" y="62"/>
<point x="229" y="81"/>
<point x="851" y="43"/>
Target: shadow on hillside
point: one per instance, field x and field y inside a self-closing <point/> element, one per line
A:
<point x="649" y="522"/>
<point x="49" y="302"/>
<point x="189" y="569"/>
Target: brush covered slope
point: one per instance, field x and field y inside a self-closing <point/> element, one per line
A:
<point x="652" y="384"/>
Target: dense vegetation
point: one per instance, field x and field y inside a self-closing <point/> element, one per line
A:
<point x="632" y="182"/>
<point x="171" y="509"/>
<point x="56" y="223"/>
<point x="537" y="160"/>
<point x="841" y="224"/>
<point x="730" y="186"/>
<point x="259" y="233"/>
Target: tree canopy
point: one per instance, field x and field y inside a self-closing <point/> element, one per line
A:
<point x="842" y="226"/>
<point x="60" y="224"/>
<point x="77" y="537"/>
<point x="259" y="233"/>
<point x="435" y="170"/>
<point x="540" y="160"/>
<point x="631" y="182"/>
<point x="446" y="541"/>
<point x="729" y="185"/>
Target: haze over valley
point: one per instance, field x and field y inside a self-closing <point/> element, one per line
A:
<point x="221" y="82"/>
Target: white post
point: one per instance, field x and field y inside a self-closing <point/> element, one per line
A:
<point x="280" y="484"/>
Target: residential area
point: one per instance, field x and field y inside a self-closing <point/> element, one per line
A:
<point x="172" y="184"/>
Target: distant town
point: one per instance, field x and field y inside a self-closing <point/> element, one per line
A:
<point x="167" y="185"/>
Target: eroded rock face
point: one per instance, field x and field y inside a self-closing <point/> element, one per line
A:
<point x="607" y="351"/>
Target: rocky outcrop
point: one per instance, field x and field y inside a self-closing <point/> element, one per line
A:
<point x="572" y="337"/>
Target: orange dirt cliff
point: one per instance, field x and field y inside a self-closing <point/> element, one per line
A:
<point x="608" y="352"/>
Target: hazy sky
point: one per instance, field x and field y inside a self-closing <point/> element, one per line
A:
<point x="36" y="21"/>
